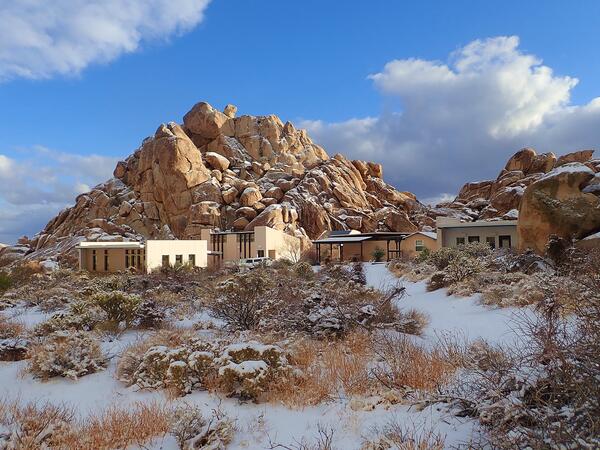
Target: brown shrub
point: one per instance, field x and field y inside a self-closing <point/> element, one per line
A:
<point x="329" y="369"/>
<point x="395" y="435"/>
<point x="405" y="364"/>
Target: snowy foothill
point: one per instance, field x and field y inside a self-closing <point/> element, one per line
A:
<point x="266" y="424"/>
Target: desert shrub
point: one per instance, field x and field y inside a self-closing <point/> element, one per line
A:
<point x="23" y="273"/>
<point x="358" y="274"/>
<point x="192" y="429"/>
<point x="423" y="255"/>
<point x="150" y="314"/>
<point x="442" y="257"/>
<point x="33" y="425"/>
<point x="543" y="393"/>
<point x="461" y="268"/>
<point x="378" y="254"/>
<point x="118" y="306"/>
<point x="81" y="317"/>
<point x="247" y="369"/>
<point x="476" y="249"/>
<point x="404" y="364"/>
<point x="5" y="281"/>
<point x="118" y="427"/>
<point x="304" y="270"/>
<point x="242" y="299"/>
<point x="436" y="281"/>
<point x="411" y="321"/>
<point x="13" y="342"/>
<point x="64" y="354"/>
<point x="396" y="435"/>
<point x="325" y="370"/>
<point x="179" y="369"/>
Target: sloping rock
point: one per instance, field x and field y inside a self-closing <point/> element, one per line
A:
<point x="557" y="205"/>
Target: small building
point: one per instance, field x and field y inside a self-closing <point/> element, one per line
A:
<point x="352" y="245"/>
<point x="108" y="257"/>
<point x="497" y="233"/>
<point x="413" y="244"/>
<point x="262" y="242"/>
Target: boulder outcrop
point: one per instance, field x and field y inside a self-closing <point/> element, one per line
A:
<point x="220" y="170"/>
<point x="556" y="204"/>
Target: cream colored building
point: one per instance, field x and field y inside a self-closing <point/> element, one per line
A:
<point x="107" y="257"/>
<point x="497" y="233"/>
<point x="262" y="242"/>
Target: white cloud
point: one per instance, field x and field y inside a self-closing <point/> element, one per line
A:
<point x="35" y="187"/>
<point x="460" y="120"/>
<point x="39" y="39"/>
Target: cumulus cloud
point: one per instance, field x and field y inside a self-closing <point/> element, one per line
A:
<point x="39" y="39"/>
<point x="460" y="120"/>
<point x="41" y="182"/>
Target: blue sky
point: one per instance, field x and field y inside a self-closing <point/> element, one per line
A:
<point x="308" y="62"/>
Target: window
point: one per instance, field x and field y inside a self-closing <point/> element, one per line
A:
<point x="473" y="239"/>
<point x="94" y="260"/>
<point x="179" y="260"/>
<point x="192" y="260"/>
<point x="491" y="240"/>
<point x="504" y="241"/>
<point x="261" y="253"/>
<point x="419" y="246"/>
<point x="127" y="259"/>
<point x="106" y="260"/>
<point x="165" y="261"/>
<point x="460" y="241"/>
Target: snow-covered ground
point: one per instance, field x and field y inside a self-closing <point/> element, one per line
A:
<point x="260" y="426"/>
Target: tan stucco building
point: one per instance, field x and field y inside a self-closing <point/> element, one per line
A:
<point x="497" y="233"/>
<point x="413" y="244"/>
<point x="262" y="242"/>
<point x="108" y="257"/>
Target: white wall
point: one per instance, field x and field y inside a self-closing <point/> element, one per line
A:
<point x="156" y="249"/>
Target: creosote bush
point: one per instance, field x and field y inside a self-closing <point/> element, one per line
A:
<point x="118" y="306"/>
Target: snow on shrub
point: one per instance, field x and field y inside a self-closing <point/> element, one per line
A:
<point x="461" y="268"/>
<point x="13" y="343"/>
<point x="66" y="354"/>
<point x="193" y="430"/>
<point x="246" y="369"/>
<point x="181" y="369"/>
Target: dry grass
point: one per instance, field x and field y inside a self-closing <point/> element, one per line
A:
<point x="395" y="435"/>
<point x="10" y="329"/>
<point x="405" y="364"/>
<point x="33" y="426"/>
<point x="330" y="369"/>
<point x="120" y="428"/>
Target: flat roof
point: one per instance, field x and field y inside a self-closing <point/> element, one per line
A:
<point x="479" y="223"/>
<point x="111" y="244"/>
<point x="342" y="239"/>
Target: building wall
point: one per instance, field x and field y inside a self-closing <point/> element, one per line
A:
<point x="274" y="243"/>
<point x="116" y="259"/>
<point x="408" y="245"/>
<point x="447" y="236"/>
<point x="155" y="249"/>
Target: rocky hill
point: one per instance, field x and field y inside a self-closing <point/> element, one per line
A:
<point x="219" y="170"/>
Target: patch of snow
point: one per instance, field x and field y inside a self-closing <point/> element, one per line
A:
<point x="573" y="167"/>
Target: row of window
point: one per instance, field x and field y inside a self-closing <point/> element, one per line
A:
<point x="166" y="260"/>
<point x="504" y="241"/>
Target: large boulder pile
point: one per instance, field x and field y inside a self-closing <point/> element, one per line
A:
<point x="501" y="198"/>
<point x="548" y="195"/>
<point x="219" y="170"/>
